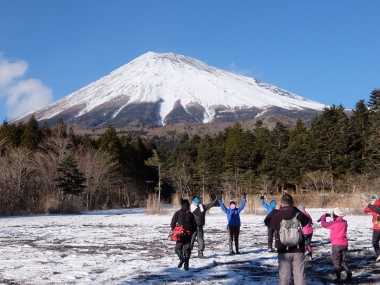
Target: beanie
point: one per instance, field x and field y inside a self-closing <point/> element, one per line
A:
<point x="196" y="200"/>
<point x="373" y="198"/>
<point x="339" y="212"/>
<point x="232" y="202"/>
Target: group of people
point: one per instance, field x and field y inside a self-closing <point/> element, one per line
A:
<point x="291" y="259"/>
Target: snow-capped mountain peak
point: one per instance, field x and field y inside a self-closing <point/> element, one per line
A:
<point x="165" y="88"/>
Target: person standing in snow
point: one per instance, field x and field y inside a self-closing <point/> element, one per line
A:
<point x="199" y="212"/>
<point x="307" y="231"/>
<point x="233" y="222"/>
<point x="339" y="241"/>
<point x="373" y="208"/>
<point x="291" y="260"/>
<point x="182" y="247"/>
<point x="269" y="208"/>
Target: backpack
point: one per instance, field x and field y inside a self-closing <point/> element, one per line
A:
<point x="291" y="232"/>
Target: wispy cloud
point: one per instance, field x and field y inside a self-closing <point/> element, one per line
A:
<point x="22" y="95"/>
<point x="242" y="71"/>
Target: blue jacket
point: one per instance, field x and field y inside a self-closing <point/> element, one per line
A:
<point x="269" y="207"/>
<point x="233" y="216"/>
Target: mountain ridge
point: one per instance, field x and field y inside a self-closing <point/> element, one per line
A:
<point x="159" y="89"/>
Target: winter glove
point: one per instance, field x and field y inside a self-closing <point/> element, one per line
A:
<point x="262" y="197"/>
<point x="244" y="196"/>
<point x="213" y="196"/>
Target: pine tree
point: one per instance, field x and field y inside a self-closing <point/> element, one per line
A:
<point x="110" y="142"/>
<point x="329" y="142"/>
<point x="235" y="153"/>
<point x="359" y="132"/>
<point x="374" y="101"/>
<point x="32" y="135"/>
<point x="292" y="163"/>
<point x="70" y="179"/>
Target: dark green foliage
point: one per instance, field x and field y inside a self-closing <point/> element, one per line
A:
<point x="32" y="134"/>
<point x="110" y="142"/>
<point x="70" y="179"/>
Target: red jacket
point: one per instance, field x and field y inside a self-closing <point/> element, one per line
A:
<point x="374" y="214"/>
<point x="338" y="230"/>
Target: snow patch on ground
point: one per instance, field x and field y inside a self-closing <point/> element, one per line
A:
<point x="129" y="247"/>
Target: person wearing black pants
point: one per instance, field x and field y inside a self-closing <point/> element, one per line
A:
<point x="233" y="225"/>
<point x="182" y="247"/>
<point x="199" y="212"/>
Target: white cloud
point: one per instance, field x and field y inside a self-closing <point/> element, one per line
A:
<point x="10" y="70"/>
<point x="22" y="95"/>
<point x="27" y="95"/>
<point x="244" y="71"/>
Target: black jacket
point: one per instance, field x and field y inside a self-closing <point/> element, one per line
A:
<point x="200" y="217"/>
<point x="273" y="221"/>
<point x="184" y="217"/>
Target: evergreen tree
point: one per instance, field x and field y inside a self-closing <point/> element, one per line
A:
<point x="32" y="135"/>
<point x="235" y="153"/>
<point x="45" y="131"/>
<point x="292" y="163"/>
<point x="70" y="179"/>
<point x="110" y="142"/>
<point x="260" y="149"/>
<point x="329" y="142"/>
<point x="60" y="129"/>
<point x="358" y="133"/>
<point x="374" y="101"/>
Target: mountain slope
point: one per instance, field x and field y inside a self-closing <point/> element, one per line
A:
<point x="168" y="88"/>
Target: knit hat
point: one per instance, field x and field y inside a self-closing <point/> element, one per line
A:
<point x="301" y="207"/>
<point x="374" y="198"/>
<point x="196" y="200"/>
<point x="232" y="202"/>
<point x="339" y="212"/>
<point x="185" y="202"/>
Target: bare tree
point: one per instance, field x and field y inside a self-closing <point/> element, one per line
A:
<point x="100" y="172"/>
<point x="17" y="169"/>
<point x="266" y="184"/>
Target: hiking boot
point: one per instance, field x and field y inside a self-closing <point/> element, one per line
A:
<point x="181" y="258"/>
<point x="200" y="254"/>
<point x="348" y="271"/>
<point x="186" y="264"/>
<point x="231" y="250"/>
<point x="337" y="280"/>
<point x="349" y="276"/>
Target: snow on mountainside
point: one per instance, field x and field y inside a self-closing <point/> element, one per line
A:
<point x="169" y="88"/>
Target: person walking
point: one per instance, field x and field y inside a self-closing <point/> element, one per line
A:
<point x="269" y="207"/>
<point x="291" y="259"/>
<point x="182" y="247"/>
<point x="373" y="209"/>
<point x="233" y="222"/>
<point x="199" y="212"/>
<point x="339" y="242"/>
<point x="307" y="231"/>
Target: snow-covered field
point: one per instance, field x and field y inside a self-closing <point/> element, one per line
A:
<point x="129" y="247"/>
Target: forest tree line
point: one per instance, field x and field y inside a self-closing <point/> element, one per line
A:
<point x="54" y="169"/>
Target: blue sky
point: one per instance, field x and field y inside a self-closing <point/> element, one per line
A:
<point x="326" y="51"/>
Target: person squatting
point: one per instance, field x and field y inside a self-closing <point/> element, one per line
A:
<point x="282" y="218"/>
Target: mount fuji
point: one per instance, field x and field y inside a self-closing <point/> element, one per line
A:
<point x="167" y="88"/>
